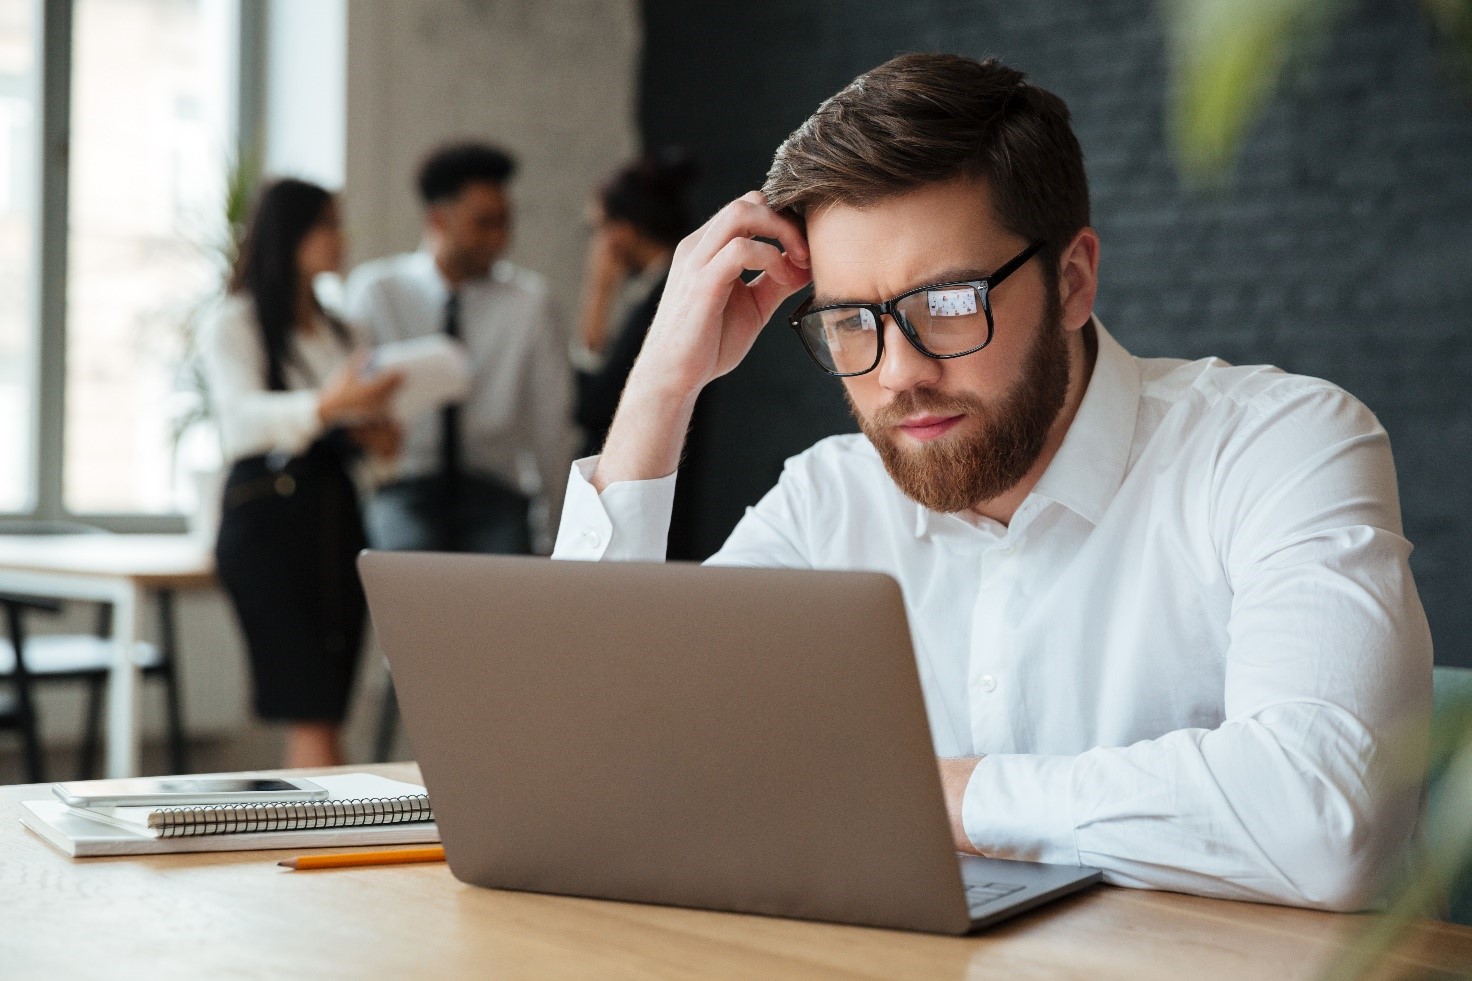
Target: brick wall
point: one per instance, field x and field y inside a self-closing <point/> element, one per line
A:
<point x="1341" y="247"/>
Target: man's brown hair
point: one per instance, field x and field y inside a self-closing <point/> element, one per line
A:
<point x="925" y="118"/>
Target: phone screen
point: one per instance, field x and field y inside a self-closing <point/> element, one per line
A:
<point x="182" y="785"/>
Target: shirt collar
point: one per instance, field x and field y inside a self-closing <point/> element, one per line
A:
<point x="502" y="271"/>
<point x="1090" y="465"/>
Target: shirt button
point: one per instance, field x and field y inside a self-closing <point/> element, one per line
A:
<point x="592" y="538"/>
<point x="988" y="683"/>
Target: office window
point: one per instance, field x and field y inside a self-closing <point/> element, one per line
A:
<point x="18" y="46"/>
<point x="150" y="123"/>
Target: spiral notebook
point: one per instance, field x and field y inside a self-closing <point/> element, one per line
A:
<point x="361" y="809"/>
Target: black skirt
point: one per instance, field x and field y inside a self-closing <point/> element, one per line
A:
<point x="290" y="534"/>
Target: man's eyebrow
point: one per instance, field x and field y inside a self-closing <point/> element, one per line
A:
<point x="960" y="274"/>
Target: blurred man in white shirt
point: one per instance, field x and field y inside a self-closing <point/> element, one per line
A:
<point x="1162" y="611"/>
<point x="471" y="472"/>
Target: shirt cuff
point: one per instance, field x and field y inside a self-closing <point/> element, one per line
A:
<point x="1021" y="807"/>
<point x="628" y="522"/>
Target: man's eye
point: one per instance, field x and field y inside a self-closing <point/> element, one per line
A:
<point x="859" y="320"/>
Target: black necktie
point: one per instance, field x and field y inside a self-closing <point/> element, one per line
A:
<point x="450" y="440"/>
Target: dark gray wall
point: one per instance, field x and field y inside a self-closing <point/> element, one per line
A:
<point x="1341" y="247"/>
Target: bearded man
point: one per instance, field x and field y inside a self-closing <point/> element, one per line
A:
<point x="1162" y="611"/>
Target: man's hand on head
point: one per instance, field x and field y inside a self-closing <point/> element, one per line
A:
<point x="955" y="774"/>
<point x="709" y="317"/>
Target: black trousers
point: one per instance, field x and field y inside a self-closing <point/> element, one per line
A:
<point x="289" y="540"/>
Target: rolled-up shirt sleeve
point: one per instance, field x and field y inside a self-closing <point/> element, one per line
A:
<point x="628" y="522"/>
<point x="1312" y="781"/>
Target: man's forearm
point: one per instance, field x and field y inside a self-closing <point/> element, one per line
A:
<point x="955" y="774"/>
<point x="647" y="436"/>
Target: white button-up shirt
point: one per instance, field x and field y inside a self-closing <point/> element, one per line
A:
<point x="516" y="424"/>
<point x="1189" y="660"/>
<point x="252" y="418"/>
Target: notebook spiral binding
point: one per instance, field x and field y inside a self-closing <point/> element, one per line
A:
<point x="211" y="819"/>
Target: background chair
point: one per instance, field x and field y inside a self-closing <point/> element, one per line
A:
<point x="17" y="708"/>
<point x="28" y="661"/>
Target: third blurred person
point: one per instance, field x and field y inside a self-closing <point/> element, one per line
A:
<point x="639" y="215"/>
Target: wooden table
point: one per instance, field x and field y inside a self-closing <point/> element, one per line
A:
<point x="237" y="914"/>
<point x="116" y="569"/>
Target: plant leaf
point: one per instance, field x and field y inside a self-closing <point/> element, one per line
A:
<point x="1226" y="58"/>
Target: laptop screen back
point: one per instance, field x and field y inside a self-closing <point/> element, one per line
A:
<point x="740" y="739"/>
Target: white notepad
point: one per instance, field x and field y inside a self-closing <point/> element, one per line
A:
<point x="79" y="833"/>
<point x="436" y="372"/>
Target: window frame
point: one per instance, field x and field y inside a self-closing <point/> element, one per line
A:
<point x="53" y="80"/>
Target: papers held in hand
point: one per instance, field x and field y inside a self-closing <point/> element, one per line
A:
<point x="436" y="372"/>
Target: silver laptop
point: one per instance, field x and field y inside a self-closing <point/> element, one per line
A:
<point x="751" y="740"/>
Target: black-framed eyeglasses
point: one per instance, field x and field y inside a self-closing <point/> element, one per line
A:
<point x="942" y="320"/>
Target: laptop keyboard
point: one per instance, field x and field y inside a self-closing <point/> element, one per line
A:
<point x="979" y="894"/>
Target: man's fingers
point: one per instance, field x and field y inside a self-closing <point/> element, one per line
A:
<point x="779" y="278"/>
<point x="385" y="383"/>
<point x="750" y="217"/>
<point x="691" y="243"/>
<point x="794" y="240"/>
<point x="742" y="254"/>
<point x="769" y="293"/>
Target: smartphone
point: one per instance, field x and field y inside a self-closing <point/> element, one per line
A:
<point x="139" y="791"/>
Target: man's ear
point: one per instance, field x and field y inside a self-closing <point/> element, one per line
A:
<point x="1078" y="278"/>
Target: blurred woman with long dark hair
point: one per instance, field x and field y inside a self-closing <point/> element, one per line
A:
<point x="296" y="408"/>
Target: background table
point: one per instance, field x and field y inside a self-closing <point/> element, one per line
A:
<point x="116" y="569"/>
<point x="237" y="914"/>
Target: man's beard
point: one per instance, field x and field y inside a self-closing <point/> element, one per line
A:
<point x="953" y="473"/>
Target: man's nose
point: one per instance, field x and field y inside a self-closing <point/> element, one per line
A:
<point x="903" y="367"/>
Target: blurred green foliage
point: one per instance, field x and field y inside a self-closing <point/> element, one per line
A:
<point x="220" y="244"/>
<point x="1227" y="58"/>
<point x="1440" y="867"/>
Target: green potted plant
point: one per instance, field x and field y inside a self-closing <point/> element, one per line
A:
<point x="196" y="454"/>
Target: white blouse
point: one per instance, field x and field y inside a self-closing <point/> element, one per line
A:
<point x="253" y="419"/>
